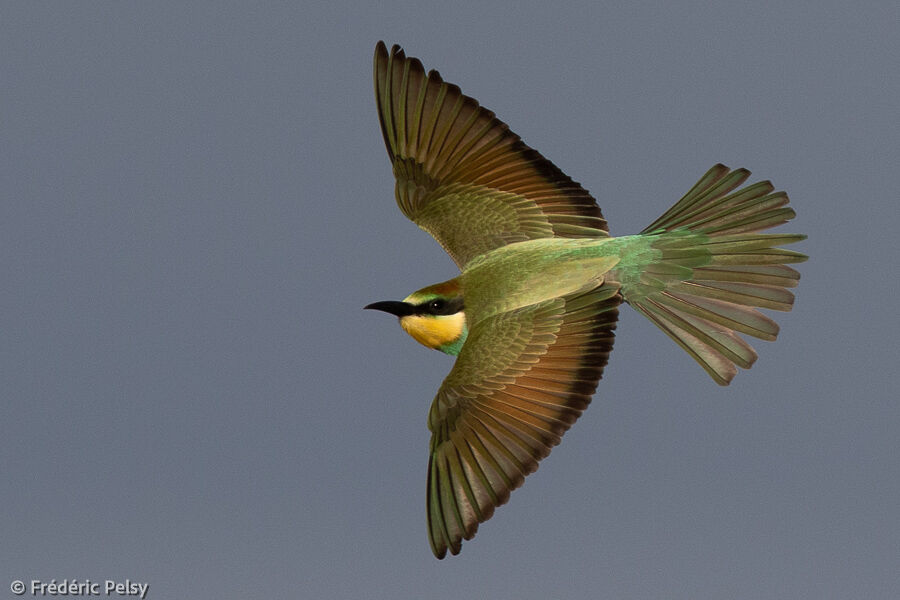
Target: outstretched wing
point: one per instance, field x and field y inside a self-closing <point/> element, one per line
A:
<point x="521" y="380"/>
<point x="462" y="175"/>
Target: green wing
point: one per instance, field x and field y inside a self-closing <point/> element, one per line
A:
<point x="462" y="175"/>
<point x="521" y="380"/>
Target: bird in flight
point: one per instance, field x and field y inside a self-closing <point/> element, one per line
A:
<point x="530" y="318"/>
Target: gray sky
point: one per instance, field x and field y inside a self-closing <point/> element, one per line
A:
<point x="196" y="205"/>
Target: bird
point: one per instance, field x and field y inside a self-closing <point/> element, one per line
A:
<point x="531" y="316"/>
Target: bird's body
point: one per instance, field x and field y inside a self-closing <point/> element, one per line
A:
<point x="532" y="313"/>
<point x="526" y="273"/>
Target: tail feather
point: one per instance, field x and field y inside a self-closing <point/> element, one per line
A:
<point x="709" y="208"/>
<point x="746" y="294"/>
<point x="712" y="270"/>
<point x="717" y="182"/>
<point x="706" y="344"/>
<point x="777" y="275"/>
<point x="727" y="314"/>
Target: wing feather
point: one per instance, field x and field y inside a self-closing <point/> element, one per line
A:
<point x="452" y="157"/>
<point x="502" y="409"/>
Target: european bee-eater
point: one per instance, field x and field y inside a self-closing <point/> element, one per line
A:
<point x="530" y="317"/>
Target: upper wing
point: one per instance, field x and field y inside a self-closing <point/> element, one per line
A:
<point x="462" y="175"/>
<point x="521" y="380"/>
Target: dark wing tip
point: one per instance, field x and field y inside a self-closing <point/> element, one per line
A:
<point x="381" y="51"/>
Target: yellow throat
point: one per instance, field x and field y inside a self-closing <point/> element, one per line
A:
<point x="434" y="331"/>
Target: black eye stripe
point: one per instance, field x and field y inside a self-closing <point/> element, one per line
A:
<point x="440" y="306"/>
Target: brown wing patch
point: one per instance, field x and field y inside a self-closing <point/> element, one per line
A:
<point x="441" y="141"/>
<point x="520" y="382"/>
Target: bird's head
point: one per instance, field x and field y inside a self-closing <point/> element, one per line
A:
<point x="433" y="316"/>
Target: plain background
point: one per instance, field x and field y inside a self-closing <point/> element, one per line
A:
<point x="196" y="205"/>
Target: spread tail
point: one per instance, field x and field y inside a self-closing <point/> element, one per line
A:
<point x="708" y="269"/>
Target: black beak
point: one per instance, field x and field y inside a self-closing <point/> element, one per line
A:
<point x="401" y="309"/>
